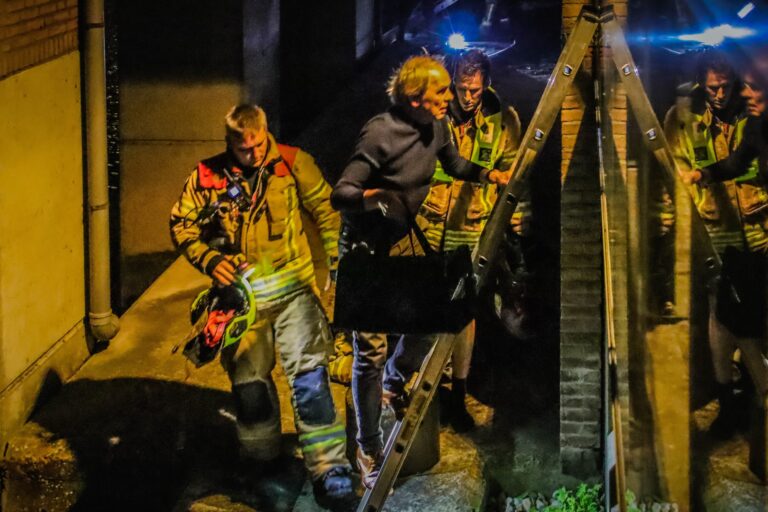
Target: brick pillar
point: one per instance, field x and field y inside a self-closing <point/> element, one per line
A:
<point x="581" y="281"/>
<point x="581" y="273"/>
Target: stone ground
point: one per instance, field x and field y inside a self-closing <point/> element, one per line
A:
<point x="726" y="482"/>
<point x="672" y="456"/>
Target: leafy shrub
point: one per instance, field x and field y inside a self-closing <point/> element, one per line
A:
<point x="584" y="499"/>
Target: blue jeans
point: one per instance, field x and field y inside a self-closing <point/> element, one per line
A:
<point x="370" y="363"/>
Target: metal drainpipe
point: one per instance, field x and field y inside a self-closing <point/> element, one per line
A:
<point x="103" y="323"/>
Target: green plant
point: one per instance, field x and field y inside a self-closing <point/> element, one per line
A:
<point x="632" y="502"/>
<point x="584" y="499"/>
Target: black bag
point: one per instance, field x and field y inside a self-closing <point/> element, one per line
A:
<point x="743" y="272"/>
<point x="426" y="294"/>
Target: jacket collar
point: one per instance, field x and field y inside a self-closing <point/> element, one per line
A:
<point x="272" y="152"/>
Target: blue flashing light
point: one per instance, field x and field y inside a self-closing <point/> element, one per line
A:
<point x="456" y="41"/>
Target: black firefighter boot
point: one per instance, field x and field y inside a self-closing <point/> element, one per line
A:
<point x="459" y="417"/>
<point x="727" y="421"/>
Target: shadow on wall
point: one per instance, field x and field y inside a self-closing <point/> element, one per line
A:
<point x="51" y="385"/>
<point x="138" y="442"/>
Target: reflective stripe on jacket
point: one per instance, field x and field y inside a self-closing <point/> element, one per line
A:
<point x="490" y="139"/>
<point x="270" y="236"/>
<point x="697" y="141"/>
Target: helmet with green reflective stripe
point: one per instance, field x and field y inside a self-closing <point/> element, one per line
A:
<point x="245" y="315"/>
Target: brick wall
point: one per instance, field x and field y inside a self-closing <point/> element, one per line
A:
<point x="581" y="289"/>
<point x="35" y="31"/>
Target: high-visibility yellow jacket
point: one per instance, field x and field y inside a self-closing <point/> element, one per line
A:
<point x="698" y="140"/>
<point x="491" y="139"/>
<point x="270" y="236"/>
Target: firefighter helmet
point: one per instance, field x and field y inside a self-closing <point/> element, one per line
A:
<point x="220" y="316"/>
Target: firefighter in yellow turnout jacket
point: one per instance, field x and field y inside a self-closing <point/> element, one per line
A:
<point x="700" y="138"/>
<point x="701" y="128"/>
<point x="455" y="212"/>
<point x="706" y="131"/>
<point x="268" y="236"/>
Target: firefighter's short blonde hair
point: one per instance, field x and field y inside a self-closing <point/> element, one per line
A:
<point x="413" y="77"/>
<point x="244" y="118"/>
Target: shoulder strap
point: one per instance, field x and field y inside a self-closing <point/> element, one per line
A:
<point x="288" y="154"/>
<point x="209" y="172"/>
<point x="420" y="236"/>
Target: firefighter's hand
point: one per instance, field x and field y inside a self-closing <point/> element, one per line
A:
<point x="666" y="224"/>
<point x="386" y="201"/>
<point x="693" y="176"/>
<point x="330" y="282"/>
<point x="224" y="272"/>
<point x="520" y="223"/>
<point x="499" y="177"/>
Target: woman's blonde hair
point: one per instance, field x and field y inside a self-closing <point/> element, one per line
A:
<point x="412" y="78"/>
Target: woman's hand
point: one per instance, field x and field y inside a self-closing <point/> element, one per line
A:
<point x="387" y="202"/>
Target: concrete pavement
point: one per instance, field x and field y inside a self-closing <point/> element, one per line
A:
<point x="139" y="428"/>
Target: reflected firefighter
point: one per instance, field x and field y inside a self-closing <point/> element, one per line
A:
<point x="702" y="128"/>
<point x="740" y="299"/>
<point x="737" y="229"/>
<point x="259" y="229"/>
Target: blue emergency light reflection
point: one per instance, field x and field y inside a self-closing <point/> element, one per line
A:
<point x="714" y="36"/>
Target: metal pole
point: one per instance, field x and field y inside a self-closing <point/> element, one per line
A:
<point x="103" y="323"/>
